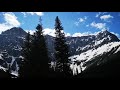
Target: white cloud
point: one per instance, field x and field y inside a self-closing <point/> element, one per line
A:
<point x="82" y="34"/>
<point x="4" y="27"/>
<point x="76" y="35"/>
<point x="98" y="14"/>
<point x="105" y="12"/>
<point x="51" y="32"/>
<point x="33" y="13"/>
<point x="100" y="26"/>
<point x="90" y="33"/>
<point x="48" y="31"/>
<point x="67" y="34"/>
<point x="10" y="21"/>
<point x="31" y="31"/>
<point x="24" y="14"/>
<point x="87" y="25"/>
<point x="106" y="17"/>
<point x="37" y="13"/>
<point x="76" y="23"/>
<point x="80" y="20"/>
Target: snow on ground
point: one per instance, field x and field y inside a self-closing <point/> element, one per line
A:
<point x="14" y="73"/>
<point x="99" y="42"/>
<point x="2" y="68"/>
<point x="117" y="50"/>
<point x="1" y="56"/>
<point x="17" y="68"/>
<point x="88" y="55"/>
<point x="13" y="59"/>
<point x="85" y="47"/>
<point x="76" y="68"/>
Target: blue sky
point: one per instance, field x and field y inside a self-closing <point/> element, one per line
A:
<point x="74" y="23"/>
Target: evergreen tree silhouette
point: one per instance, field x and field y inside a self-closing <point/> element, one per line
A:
<point x="61" y="50"/>
<point x="39" y="54"/>
<point x="35" y="62"/>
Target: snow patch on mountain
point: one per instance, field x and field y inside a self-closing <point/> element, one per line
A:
<point x="89" y="55"/>
<point x="15" y="73"/>
<point x="2" y="68"/>
<point x="99" y="42"/>
<point x="117" y="50"/>
<point x="1" y="55"/>
<point x="75" y="68"/>
<point x="13" y="59"/>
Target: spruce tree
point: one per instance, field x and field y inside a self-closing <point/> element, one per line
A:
<point x="39" y="53"/>
<point x="61" y="50"/>
<point x="35" y="62"/>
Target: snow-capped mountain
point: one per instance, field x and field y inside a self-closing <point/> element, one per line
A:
<point x="91" y="50"/>
<point x="84" y="43"/>
<point x="83" y="50"/>
<point x="93" y="56"/>
<point x="11" y="42"/>
<point x="81" y="44"/>
<point x="94" y="50"/>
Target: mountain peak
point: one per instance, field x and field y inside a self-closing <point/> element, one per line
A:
<point x="104" y="32"/>
<point x="14" y="31"/>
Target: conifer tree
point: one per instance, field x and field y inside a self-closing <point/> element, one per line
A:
<point x="35" y="62"/>
<point x="61" y="50"/>
<point x="39" y="53"/>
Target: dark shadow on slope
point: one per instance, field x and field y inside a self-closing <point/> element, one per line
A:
<point x="109" y="69"/>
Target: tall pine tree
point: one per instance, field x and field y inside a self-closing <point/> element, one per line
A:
<point x="35" y="62"/>
<point x="39" y="54"/>
<point x="61" y="50"/>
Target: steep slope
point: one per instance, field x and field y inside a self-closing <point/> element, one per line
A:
<point x="81" y="44"/>
<point x="11" y="42"/>
<point x="87" y="51"/>
<point x="94" y="57"/>
<point x="84" y="43"/>
<point x="109" y="69"/>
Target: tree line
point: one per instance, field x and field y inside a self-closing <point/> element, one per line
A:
<point x="35" y="62"/>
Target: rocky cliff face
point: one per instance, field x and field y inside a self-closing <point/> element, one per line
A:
<point x="11" y="42"/>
